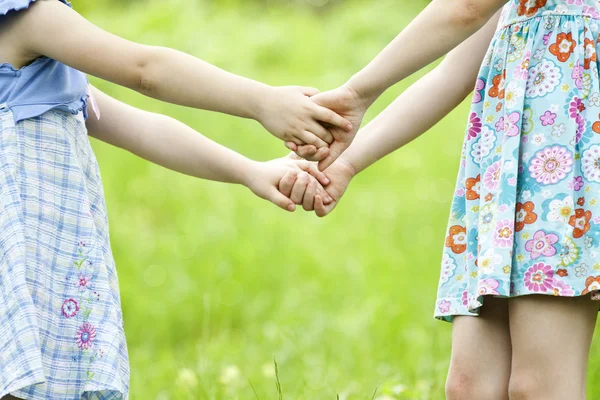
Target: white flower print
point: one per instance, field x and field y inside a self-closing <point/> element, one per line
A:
<point x="543" y="78"/>
<point x="558" y="130"/>
<point x="538" y="139"/>
<point x="590" y="163"/>
<point x="594" y="99"/>
<point x="448" y="267"/>
<point x="488" y="261"/>
<point x="561" y="210"/>
<point x="581" y="270"/>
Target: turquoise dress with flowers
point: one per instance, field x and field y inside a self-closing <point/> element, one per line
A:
<point x="61" y="324"/>
<point x="525" y="217"/>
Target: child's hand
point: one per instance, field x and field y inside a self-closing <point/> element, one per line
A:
<point x="339" y="174"/>
<point x="264" y="180"/>
<point x="347" y="103"/>
<point x="290" y="115"/>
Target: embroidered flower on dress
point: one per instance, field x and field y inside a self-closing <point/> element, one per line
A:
<point x="84" y="282"/>
<point x="70" y="308"/>
<point x="85" y="336"/>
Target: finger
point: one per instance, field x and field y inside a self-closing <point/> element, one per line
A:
<point x="320" y="209"/>
<point x="327" y="199"/>
<point x="307" y="151"/>
<point x="287" y="183"/>
<point x="310" y="138"/>
<point x="321" y="132"/>
<point x="335" y="150"/>
<point x="297" y="141"/>
<point x="308" y="203"/>
<point x="291" y="145"/>
<point x="314" y="171"/>
<point x="326" y="115"/>
<point x="275" y="197"/>
<point x="299" y="188"/>
<point x="309" y="91"/>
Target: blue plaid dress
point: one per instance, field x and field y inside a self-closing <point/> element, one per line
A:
<point x="61" y="334"/>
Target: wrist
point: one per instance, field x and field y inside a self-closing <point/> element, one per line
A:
<point x="362" y="93"/>
<point x="348" y="166"/>
<point x="247" y="172"/>
<point x="260" y="102"/>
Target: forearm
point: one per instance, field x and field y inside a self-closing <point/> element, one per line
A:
<point x="440" y="27"/>
<point x="179" y="78"/>
<point x="166" y="142"/>
<point x="414" y="112"/>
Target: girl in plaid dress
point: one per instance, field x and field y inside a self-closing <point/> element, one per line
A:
<point x="61" y="334"/>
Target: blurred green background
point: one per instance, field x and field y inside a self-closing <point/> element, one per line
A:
<point x="216" y="283"/>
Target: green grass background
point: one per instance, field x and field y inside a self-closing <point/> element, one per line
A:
<point x="216" y="283"/>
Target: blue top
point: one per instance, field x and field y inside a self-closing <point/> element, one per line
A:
<point x="44" y="84"/>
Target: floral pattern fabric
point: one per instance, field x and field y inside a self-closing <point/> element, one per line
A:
<point x="525" y="216"/>
<point x="62" y="332"/>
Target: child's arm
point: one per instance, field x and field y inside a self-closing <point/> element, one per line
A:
<point x="167" y="142"/>
<point x="414" y="112"/>
<point x="439" y="28"/>
<point x="51" y="29"/>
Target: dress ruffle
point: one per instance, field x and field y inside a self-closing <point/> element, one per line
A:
<point x="17" y="5"/>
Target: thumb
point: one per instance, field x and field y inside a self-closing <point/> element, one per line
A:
<point x="335" y="150"/>
<point x="275" y="197"/>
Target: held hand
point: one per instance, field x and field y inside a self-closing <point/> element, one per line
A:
<point x="340" y="174"/>
<point x="290" y="115"/>
<point x="264" y="179"/>
<point x="346" y="103"/>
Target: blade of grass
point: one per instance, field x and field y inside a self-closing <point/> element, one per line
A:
<point x="253" y="389"/>
<point x="278" y="382"/>
<point x="374" y="393"/>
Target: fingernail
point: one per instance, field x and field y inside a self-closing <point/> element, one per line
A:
<point x="289" y="146"/>
<point x="291" y="207"/>
<point x="349" y="127"/>
<point x="293" y="173"/>
<point x="326" y="180"/>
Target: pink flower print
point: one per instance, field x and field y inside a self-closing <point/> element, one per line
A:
<point x="577" y="75"/>
<point x="512" y="181"/>
<point x="522" y="69"/>
<point x="479" y="86"/>
<point x="474" y="126"/>
<point x="551" y="164"/>
<point x="70" y="308"/>
<point x="539" y="278"/>
<point x="510" y="124"/>
<point x="444" y="306"/>
<point x="504" y="232"/>
<point x="460" y="192"/>
<point x="500" y="125"/>
<point x="575" y="2"/>
<point x="488" y="286"/>
<point x="591" y="11"/>
<point x="578" y="183"/>
<point x="576" y="107"/>
<point x="580" y="121"/>
<point x="85" y="336"/>
<point x="84" y="282"/>
<point x="561" y="288"/>
<point x="548" y="118"/>
<point x="542" y="244"/>
<point x="465" y="298"/>
<point x="546" y="38"/>
<point x="491" y="177"/>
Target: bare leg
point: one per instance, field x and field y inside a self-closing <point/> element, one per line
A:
<point x="551" y="338"/>
<point x="481" y="355"/>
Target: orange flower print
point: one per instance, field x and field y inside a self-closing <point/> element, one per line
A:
<point x="530" y="7"/>
<point x="457" y="239"/>
<point x="591" y="283"/>
<point x="472" y="185"/>
<point x="589" y="51"/>
<point x="596" y="126"/>
<point x="498" y="107"/>
<point x="562" y="272"/>
<point x="581" y="201"/>
<point x="499" y="83"/>
<point x="524" y="215"/>
<point x="581" y="222"/>
<point x="563" y="47"/>
<point x="489" y="197"/>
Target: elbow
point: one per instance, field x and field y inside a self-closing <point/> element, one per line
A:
<point x="467" y="13"/>
<point x="143" y="75"/>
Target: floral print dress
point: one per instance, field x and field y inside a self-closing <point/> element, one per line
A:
<point x="525" y="217"/>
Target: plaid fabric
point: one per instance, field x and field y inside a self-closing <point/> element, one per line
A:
<point x="61" y="327"/>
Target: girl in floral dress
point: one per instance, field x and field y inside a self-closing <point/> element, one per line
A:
<point x="61" y="325"/>
<point x="520" y="273"/>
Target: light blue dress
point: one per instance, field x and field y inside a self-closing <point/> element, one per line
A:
<point x="526" y="212"/>
<point x="61" y="325"/>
